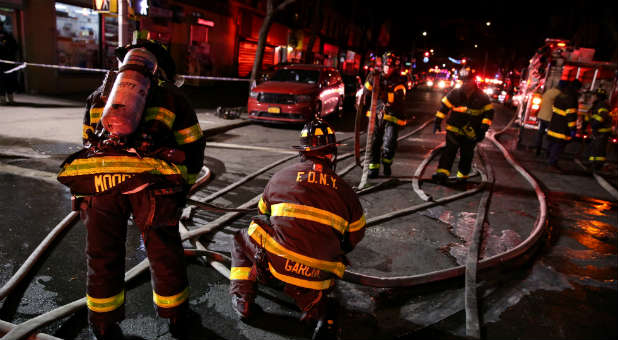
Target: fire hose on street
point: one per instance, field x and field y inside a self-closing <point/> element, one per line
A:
<point x="217" y="260"/>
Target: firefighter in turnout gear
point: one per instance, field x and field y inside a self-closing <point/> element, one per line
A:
<point x="145" y="173"/>
<point x="309" y="219"/>
<point x="600" y="123"/>
<point x="471" y="114"/>
<point x="563" y="124"/>
<point x="390" y="113"/>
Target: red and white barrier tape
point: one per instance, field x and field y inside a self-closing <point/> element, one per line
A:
<point x="22" y="65"/>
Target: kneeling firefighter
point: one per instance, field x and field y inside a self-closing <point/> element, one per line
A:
<point x="390" y="113"/>
<point x="471" y="113"/>
<point x="309" y="219"/>
<point x="143" y="148"/>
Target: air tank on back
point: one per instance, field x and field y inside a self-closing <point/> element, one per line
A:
<point x="125" y="105"/>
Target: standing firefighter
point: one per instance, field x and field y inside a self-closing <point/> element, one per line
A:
<point x="310" y="218"/>
<point x="390" y="113"/>
<point x="470" y="118"/>
<point x="600" y="123"/>
<point x="143" y="148"/>
<point x="563" y="124"/>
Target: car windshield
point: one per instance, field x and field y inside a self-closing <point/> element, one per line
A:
<point x="298" y="76"/>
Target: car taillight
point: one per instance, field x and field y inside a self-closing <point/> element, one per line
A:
<point x="614" y="140"/>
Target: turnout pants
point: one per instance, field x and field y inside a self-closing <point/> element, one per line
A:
<point x="384" y="143"/>
<point x="555" y="148"/>
<point x="156" y="215"/>
<point x="598" y="149"/>
<point x="251" y="263"/>
<point x="543" y="125"/>
<point x="454" y="143"/>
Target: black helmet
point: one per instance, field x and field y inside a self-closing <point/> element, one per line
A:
<point x="164" y="59"/>
<point x="317" y="135"/>
<point x="601" y="93"/>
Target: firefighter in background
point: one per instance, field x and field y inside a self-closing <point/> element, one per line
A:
<point x="563" y="124"/>
<point x="309" y="219"/>
<point x="600" y="123"/>
<point x="390" y="113"/>
<point x="143" y="148"/>
<point x="471" y="114"/>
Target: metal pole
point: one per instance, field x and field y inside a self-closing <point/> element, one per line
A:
<point x="123" y="23"/>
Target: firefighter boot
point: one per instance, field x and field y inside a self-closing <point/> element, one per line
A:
<point x="373" y="173"/>
<point x="439" y="178"/>
<point x="325" y="329"/>
<point x="387" y="169"/>
<point x="108" y="331"/>
<point x="244" y="307"/>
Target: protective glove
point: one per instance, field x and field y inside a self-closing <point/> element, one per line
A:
<point x="437" y="125"/>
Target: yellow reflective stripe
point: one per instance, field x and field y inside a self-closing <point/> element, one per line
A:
<point x="85" y="129"/>
<point x="474" y="112"/>
<point x="105" y="304"/>
<point x="597" y="158"/>
<point x="461" y="175"/>
<point x="188" y="135"/>
<point x="121" y="164"/>
<point x="374" y="165"/>
<point x="597" y="117"/>
<point x="559" y="111"/>
<point x="571" y="110"/>
<point x="602" y="110"/>
<point x="462" y="109"/>
<point x="488" y="107"/>
<point x="605" y="130"/>
<point x="240" y="273"/>
<point x="368" y="86"/>
<point x="440" y="115"/>
<point x="262" y="238"/>
<point x="387" y="160"/>
<point x="558" y="135"/>
<point x="317" y="285"/>
<point x="454" y="129"/>
<point x="447" y="102"/>
<point x="357" y="225"/>
<point x="161" y="114"/>
<point x="400" y="87"/>
<point x="443" y="171"/>
<point x="263" y="207"/>
<point x="571" y="124"/>
<point x="391" y="97"/>
<point x="394" y="119"/>
<point x="486" y="121"/>
<point x="318" y="132"/>
<point x="95" y="114"/>
<point x="308" y="213"/>
<point x="170" y="301"/>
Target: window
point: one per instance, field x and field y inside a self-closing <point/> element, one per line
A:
<point x="77" y="36"/>
<point x="299" y="76"/>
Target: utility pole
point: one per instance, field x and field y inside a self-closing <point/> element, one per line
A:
<point x="123" y="23"/>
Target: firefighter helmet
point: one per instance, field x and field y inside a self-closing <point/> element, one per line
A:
<point x="390" y="59"/>
<point x="317" y="135"/>
<point x="600" y="93"/>
<point x="465" y="73"/>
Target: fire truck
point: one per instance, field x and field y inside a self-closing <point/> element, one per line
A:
<point x="559" y="60"/>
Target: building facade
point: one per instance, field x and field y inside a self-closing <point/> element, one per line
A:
<point x="207" y="38"/>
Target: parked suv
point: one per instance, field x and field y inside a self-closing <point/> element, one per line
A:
<point x="296" y="93"/>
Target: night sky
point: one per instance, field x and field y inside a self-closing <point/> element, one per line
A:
<point x="517" y="28"/>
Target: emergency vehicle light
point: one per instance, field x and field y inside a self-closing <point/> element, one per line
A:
<point x="561" y="44"/>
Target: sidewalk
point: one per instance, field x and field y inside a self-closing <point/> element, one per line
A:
<point x="38" y="118"/>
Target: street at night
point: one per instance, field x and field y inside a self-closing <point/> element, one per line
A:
<point x="519" y="247"/>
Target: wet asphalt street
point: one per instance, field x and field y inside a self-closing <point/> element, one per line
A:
<point x="565" y="287"/>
